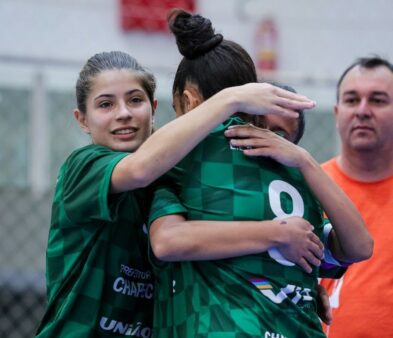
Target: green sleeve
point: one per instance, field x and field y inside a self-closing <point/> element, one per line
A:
<point x="165" y="202"/>
<point x="86" y="184"/>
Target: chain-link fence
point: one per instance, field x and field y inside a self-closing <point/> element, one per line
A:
<point x="37" y="132"/>
<point x="26" y="198"/>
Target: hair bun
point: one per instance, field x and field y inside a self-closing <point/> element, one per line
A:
<point x="194" y="34"/>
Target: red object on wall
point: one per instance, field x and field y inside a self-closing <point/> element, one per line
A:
<point x="150" y="15"/>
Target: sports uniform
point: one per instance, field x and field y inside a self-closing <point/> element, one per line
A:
<point x="259" y="295"/>
<point x="99" y="280"/>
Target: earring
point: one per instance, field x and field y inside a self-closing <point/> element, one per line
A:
<point x="152" y="125"/>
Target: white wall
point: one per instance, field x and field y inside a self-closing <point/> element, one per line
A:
<point x="72" y="30"/>
<point x="317" y="38"/>
<point x="320" y="36"/>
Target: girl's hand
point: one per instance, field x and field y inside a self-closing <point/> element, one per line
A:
<point x="262" y="142"/>
<point x="264" y="98"/>
<point x="300" y="245"/>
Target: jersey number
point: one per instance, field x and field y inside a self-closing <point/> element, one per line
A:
<point x="276" y="188"/>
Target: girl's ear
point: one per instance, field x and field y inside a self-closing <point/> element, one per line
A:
<point x="154" y="107"/>
<point x="82" y="120"/>
<point x="192" y="98"/>
<point x="155" y="102"/>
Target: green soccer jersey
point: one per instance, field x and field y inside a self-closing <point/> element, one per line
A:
<point x="260" y="295"/>
<point x="99" y="280"/>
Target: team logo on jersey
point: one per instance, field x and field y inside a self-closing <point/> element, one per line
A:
<point x="125" y="329"/>
<point x="291" y="292"/>
<point x="261" y="284"/>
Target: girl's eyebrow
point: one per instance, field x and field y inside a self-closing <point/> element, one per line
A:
<point x="103" y="95"/>
<point x="113" y="95"/>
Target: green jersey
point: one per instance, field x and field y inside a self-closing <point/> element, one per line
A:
<point x="99" y="280"/>
<point x="260" y="295"/>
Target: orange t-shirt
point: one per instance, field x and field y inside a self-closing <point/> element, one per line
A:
<point x="362" y="301"/>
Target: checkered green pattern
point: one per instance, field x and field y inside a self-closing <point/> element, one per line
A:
<point x="99" y="279"/>
<point x="250" y="296"/>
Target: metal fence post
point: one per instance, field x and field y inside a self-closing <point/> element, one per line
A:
<point x="38" y="167"/>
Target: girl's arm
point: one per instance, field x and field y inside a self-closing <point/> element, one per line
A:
<point x="172" y="142"/>
<point x="350" y="241"/>
<point x="173" y="238"/>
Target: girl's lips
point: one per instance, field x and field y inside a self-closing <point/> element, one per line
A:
<point x="124" y="131"/>
<point x="125" y="134"/>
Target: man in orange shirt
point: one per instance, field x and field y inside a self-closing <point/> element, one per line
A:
<point x="362" y="301"/>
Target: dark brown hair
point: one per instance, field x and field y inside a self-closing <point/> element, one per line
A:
<point x="209" y="61"/>
<point x="364" y="62"/>
<point x="108" y="61"/>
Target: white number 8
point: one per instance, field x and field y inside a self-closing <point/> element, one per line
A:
<point x="275" y="189"/>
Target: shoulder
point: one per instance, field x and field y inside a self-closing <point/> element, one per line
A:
<point x="84" y="182"/>
<point x="88" y="165"/>
<point x="329" y="163"/>
<point x="90" y="154"/>
<point x="331" y="166"/>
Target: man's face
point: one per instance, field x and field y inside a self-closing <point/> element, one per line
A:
<point x="287" y="127"/>
<point x="364" y="112"/>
